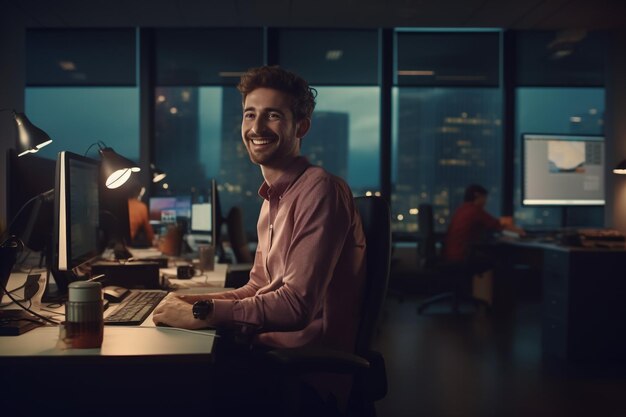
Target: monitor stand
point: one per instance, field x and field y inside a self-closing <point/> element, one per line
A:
<point x="55" y="293"/>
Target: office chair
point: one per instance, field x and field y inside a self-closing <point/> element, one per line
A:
<point x="237" y="236"/>
<point x="238" y="273"/>
<point x="456" y="275"/>
<point x="426" y="242"/>
<point x="366" y="365"/>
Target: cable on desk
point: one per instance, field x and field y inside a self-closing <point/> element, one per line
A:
<point x="42" y="317"/>
<point x="30" y="302"/>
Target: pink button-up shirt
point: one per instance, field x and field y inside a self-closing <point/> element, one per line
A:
<point x="306" y="284"/>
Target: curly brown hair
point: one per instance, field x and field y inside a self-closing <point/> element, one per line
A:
<point x="302" y="95"/>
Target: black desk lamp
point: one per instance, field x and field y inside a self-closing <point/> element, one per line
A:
<point x="157" y="174"/>
<point x="116" y="169"/>
<point x="29" y="137"/>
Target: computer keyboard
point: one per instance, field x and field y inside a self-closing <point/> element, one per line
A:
<point x="135" y="308"/>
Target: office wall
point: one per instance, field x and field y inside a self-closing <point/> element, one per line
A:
<point x="615" y="209"/>
<point x="12" y="83"/>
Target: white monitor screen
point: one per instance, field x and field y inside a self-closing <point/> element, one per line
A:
<point x="201" y="217"/>
<point x="563" y="170"/>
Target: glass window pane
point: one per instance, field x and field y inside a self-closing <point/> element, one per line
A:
<point x="558" y="111"/>
<point x="447" y="59"/>
<point x="80" y="57"/>
<point x="335" y="57"/>
<point x="443" y="140"/>
<point x="198" y="137"/>
<point x="560" y="58"/>
<point x="206" y="56"/>
<point x="76" y="117"/>
<point x="345" y="135"/>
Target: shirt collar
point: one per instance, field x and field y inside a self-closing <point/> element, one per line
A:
<point x="293" y="172"/>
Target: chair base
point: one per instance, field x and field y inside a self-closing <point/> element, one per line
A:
<point x="457" y="301"/>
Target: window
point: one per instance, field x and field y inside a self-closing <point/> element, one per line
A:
<point x="77" y="117"/>
<point x="198" y="137"/>
<point x="560" y="78"/>
<point x="198" y="115"/>
<point x="447" y="124"/>
<point x="81" y="88"/>
<point x="345" y="133"/>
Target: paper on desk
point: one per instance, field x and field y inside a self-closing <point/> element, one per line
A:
<point x="145" y="252"/>
<point x="203" y="280"/>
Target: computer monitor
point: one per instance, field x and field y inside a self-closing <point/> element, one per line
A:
<point x="76" y="216"/>
<point x="202" y="218"/>
<point x="26" y="178"/>
<point x="563" y="170"/>
<point x="206" y="214"/>
<point x="170" y="209"/>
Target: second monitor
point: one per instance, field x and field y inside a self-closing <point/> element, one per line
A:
<point x="200" y="217"/>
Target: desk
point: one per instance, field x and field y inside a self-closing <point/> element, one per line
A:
<point x="139" y="341"/>
<point x="137" y="368"/>
<point x="583" y="299"/>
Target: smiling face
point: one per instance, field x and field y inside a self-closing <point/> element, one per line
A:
<point x="269" y="131"/>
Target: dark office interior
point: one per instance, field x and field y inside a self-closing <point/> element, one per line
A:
<point x="416" y="100"/>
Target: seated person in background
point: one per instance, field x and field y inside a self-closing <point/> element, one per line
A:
<point x="308" y="274"/>
<point x="471" y="224"/>
<point x="141" y="233"/>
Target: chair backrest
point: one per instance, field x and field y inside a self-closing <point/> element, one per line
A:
<point x="237" y="236"/>
<point x="376" y="219"/>
<point x="426" y="245"/>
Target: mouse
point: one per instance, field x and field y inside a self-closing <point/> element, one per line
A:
<point x="114" y="293"/>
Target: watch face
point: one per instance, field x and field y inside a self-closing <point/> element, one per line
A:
<point x="201" y="309"/>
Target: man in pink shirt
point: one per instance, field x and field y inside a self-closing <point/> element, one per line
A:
<point x="306" y="284"/>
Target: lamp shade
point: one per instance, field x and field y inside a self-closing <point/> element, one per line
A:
<point x="116" y="169"/>
<point x="30" y="137"/>
<point x="157" y="174"/>
<point x="620" y="168"/>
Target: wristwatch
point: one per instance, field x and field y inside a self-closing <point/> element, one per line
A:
<point x="202" y="309"/>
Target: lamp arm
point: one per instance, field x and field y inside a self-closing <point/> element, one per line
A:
<point x="100" y="145"/>
<point x="45" y="197"/>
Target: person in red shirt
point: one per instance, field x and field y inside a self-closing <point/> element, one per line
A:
<point x="470" y="224"/>
<point x="140" y="228"/>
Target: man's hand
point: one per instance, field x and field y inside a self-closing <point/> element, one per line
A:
<point x="175" y="312"/>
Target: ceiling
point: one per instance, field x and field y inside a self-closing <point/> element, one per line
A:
<point x="508" y="14"/>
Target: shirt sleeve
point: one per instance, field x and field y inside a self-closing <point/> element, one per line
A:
<point x="323" y="217"/>
<point x="488" y="221"/>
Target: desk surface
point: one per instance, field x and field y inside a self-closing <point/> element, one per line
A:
<point x="555" y="245"/>
<point x="120" y="341"/>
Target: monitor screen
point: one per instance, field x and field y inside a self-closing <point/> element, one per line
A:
<point x="170" y="209"/>
<point x="77" y="210"/>
<point x="202" y="218"/>
<point x="563" y="170"/>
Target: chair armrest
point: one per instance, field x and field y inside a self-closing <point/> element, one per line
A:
<point x="371" y="379"/>
<point x="314" y="359"/>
